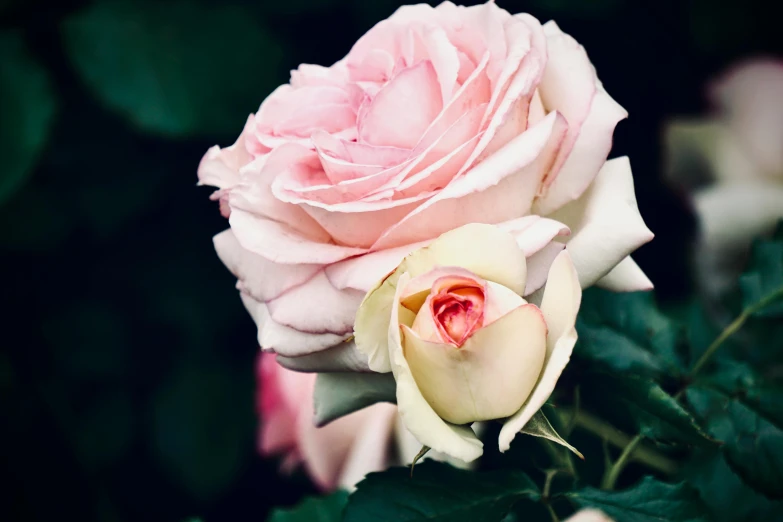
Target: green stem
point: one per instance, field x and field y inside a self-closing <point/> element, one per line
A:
<point x="545" y="495"/>
<point x="611" y="475"/>
<point x="732" y="328"/>
<point x="643" y="454"/>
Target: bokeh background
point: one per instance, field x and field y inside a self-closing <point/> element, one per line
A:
<point x="126" y="359"/>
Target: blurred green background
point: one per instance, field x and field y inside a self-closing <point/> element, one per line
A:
<point x="127" y="361"/>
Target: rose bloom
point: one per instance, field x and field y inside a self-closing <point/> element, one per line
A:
<point x="436" y="118"/>
<point x="463" y="345"/>
<point x="337" y="455"/>
<point x="731" y="164"/>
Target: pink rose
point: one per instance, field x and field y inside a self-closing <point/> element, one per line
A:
<point x="337" y="455"/>
<point x="437" y="117"/>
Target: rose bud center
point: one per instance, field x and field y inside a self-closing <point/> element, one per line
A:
<point x="458" y="311"/>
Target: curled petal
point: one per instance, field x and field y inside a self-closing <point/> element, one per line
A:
<point x="605" y="223"/>
<point x="316" y="307"/>
<point x="465" y="247"/>
<point x="500" y="188"/>
<point x="418" y="416"/>
<point x="562" y="297"/>
<point x="625" y="277"/>
<point x="259" y="277"/>
<point x="570" y="86"/>
<point x="489" y="376"/>
<point x="282" y="339"/>
<point x="282" y="244"/>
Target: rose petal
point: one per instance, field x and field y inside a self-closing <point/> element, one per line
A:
<point x="560" y="305"/>
<point x="417" y="415"/>
<point x="282" y="339"/>
<point x="411" y="100"/>
<point x="534" y="232"/>
<point x="605" y="222"/>
<point x="364" y="272"/>
<point x="569" y="85"/>
<point x="282" y="244"/>
<point x="538" y="266"/>
<point x="316" y="307"/>
<point x="259" y="277"/>
<point x="499" y="189"/>
<point x="489" y="376"/>
<point x="465" y="247"/>
<point x="627" y="277"/>
<point x="370" y="450"/>
<point x="325" y="450"/>
<point x="253" y="193"/>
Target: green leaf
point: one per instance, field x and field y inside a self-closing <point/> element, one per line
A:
<point x="764" y="277"/>
<point x="753" y="446"/>
<point x="28" y="106"/>
<point x="438" y="493"/>
<point x="539" y="426"/>
<point x="727" y="497"/>
<point x="627" y="332"/>
<point x="340" y="393"/>
<point x="648" y="501"/>
<point x="656" y="413"/>
<point x="174" y="68"/>
<point x="314" y="509"/>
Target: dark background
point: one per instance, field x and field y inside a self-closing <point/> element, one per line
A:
<point x="127" y="361"/>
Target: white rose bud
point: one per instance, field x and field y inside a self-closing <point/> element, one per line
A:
<point x="463" y="345"/>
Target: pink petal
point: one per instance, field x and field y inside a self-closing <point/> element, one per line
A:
<point x="361" y="227"/>
<point x="508" y="107"/>
<point x="259" y="277"/>
<point x="570" y="86"/>
<point x="316" y="307"/>
<point x="370" y="450"/>
<point x="282" y="339"/>
<point x="253" y="193"/>
<point x="364" y="272"/>
<point x="497" y="190"/>
<point x="276" y="417"/>
<point x="401" y="112"/>
<point x="282" y="244"/>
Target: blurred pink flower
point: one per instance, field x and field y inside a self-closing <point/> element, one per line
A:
<point x="336" y="455"/>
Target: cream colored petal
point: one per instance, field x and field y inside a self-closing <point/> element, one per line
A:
<point x="482" y="249"/>
<point x="488" y="377"/>
<point x="417" y="415"/>
<point x="625" y="277"/>
<point x="559" y="306"/>
<point x="605" y="222"/>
